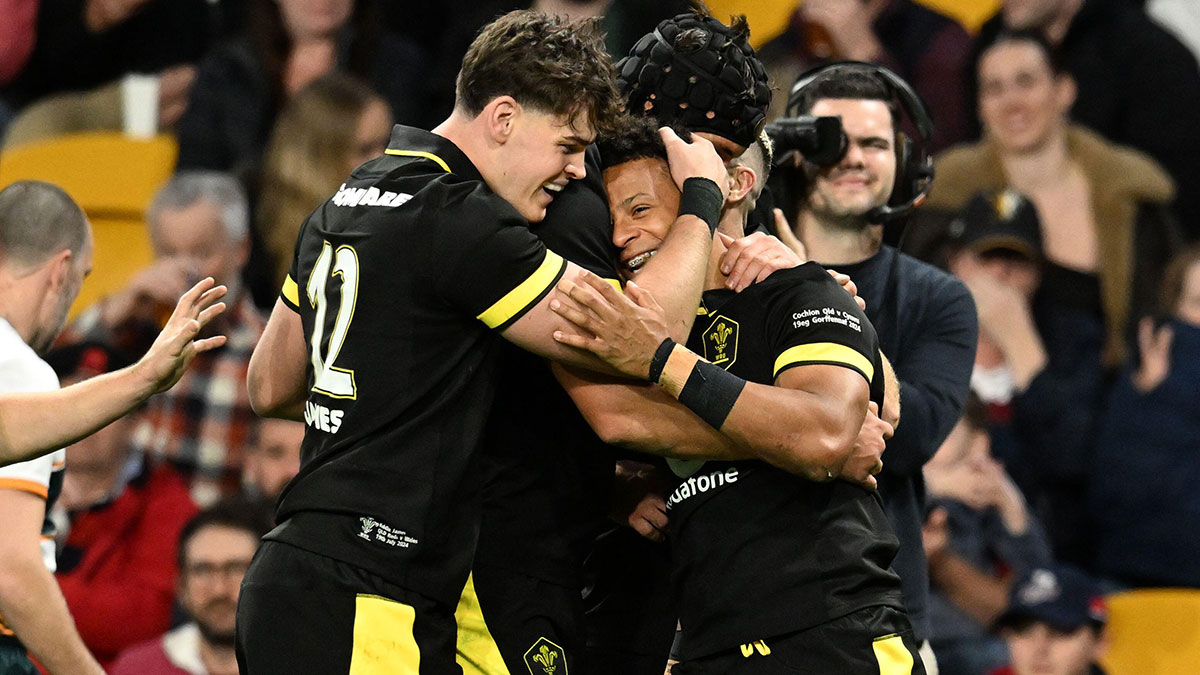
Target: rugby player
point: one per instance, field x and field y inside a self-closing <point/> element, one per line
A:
<point x="773" y="571"/>
<point x="384" y="342"/>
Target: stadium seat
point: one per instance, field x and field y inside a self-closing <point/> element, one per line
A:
<point x="1154" y="632"/>
<point x="113" y="178"/>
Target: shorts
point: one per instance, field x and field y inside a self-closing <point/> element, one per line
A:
<point x="535" y="627"/>
<point x="874" y="641"/>
<point x="300" y="612"/>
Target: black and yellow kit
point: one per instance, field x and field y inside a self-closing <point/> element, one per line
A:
<point x="402" y="280"/>
<point x="760" y="553"/>
<point x="548" y="474"/>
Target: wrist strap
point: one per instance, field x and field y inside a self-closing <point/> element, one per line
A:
<point x="702" y="198"/>
<point x="710" y="392"/>
<point x="660" y="359"/>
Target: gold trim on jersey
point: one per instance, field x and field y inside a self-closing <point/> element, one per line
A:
<point x="24" y="485"/>
<point x="526" y="293"/>
<point x="477" y="651"/>
<point x="418" y="153"/>
<point x="892" y="656"/>
<point x="825" y="352"/>
<point x="383" y="637"/>
<point x="291" y="292"/>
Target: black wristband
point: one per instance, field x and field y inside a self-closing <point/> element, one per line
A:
<point x="660" y="359"/>
<point x="702" y="198"/>
<point x="710" y="392"/>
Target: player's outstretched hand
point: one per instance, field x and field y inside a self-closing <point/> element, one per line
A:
<point x="697" y="159"/>
<point x="753" y="258"/>
<point x="176" y="346"/>
<point x="624" y="331"/>
<point x="866" y="459"/>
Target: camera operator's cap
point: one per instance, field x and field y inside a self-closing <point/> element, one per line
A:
<point x="697" y="71"/>
<point x="1005" y="220"/>
<point x="1060" y="596"/>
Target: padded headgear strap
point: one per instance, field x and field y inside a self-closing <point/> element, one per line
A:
<point x="708" y="81"/>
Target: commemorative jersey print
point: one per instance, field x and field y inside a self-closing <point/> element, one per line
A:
<point x="752" y="543"/>
<point x="402" y="280"/>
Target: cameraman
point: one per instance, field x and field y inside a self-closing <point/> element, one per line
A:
<point x="925" y="318"/>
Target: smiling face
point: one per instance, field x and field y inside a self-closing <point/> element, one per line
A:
<point x="865" y="176"/>
<point x="542" y="154"/>
<point x="1022" y="104"/>
<point x="643" y="202"/>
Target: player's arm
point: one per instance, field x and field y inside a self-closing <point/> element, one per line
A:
<point x="30" y="601"/>
<point x="277" y="380"/>
<point x="33" y="424"/>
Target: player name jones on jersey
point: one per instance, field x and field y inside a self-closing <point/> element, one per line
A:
<point x="695" y="485"/>
<point x="325" y="419"/>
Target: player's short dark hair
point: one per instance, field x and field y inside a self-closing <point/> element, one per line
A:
<point x="37" y="220"/>
<point x="847" y="84"/>
<point x="253" y="516"/>
<point x="546" y="62"/>
<point x="631" y="138"/>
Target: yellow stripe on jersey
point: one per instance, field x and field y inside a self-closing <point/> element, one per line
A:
<point x="383" y="637"/>
<point x="615" y="283"/>
<point x="477" y="652"/>
<point x="417" y="153"/>
<point x="825" y="352"/>
<point x="23" y="485"/>
<point x="528" y="291"/>
<point x="893" y="657"/>
<point x="291" y="292"/>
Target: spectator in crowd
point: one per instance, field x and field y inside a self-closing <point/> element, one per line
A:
<point x="930" y="50"/>
<point x="215" y="548"/>
<point x="116" y="567"/>
<point x="273" y="458"/>
<point x="45" y="253"/>
<point x="83" y="44"/>
<point x="198" y="226"/>
<point x="17" y="35"/>
<point x="1144" y="475"/>
<point x="1132" y="79"/>
<point x="323" y="133"/>
<point x="1106" y="236"/>
<point x="924" y="317"/>
<point x="978" y="538"/>
<point x="1054" y="624"/>
<point x="243" y="84"/>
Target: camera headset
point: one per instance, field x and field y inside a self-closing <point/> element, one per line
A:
<point x="914" y="167"/>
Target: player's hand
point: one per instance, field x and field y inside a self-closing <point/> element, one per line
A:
<point x="638" y="500"/>
<point x="176" y="345"/>
<point x="849" y="286"/>
<point x="698" y="159"/>
<point x="753" y="258"/>
<point x="622" y="330"/>
<point x="866" y="458"/>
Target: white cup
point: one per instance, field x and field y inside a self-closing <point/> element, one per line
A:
<point x="139" y="101"/>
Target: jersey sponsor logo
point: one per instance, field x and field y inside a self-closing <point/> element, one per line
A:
<point x="375" y="531"/>
<point x="700" y="484"/>
<point x="321" y="418"/>
<point x="721" y="341"/>
<point x="546" y="658"/>
<point x="350" y="196"/>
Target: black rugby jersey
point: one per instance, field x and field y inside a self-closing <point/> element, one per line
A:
<point x="759" y="552"/>
<point x="401" y="279"/>
<point x="548" y="474"/>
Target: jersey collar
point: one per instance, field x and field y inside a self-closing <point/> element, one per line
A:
<point x="412" y="142"/>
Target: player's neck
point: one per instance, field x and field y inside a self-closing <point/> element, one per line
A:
<point x="838" y="243"/>
<point x="732" y="225"/>
<point x="21" y="296"/>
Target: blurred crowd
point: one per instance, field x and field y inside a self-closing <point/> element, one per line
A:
<point x="1066" y="199"/>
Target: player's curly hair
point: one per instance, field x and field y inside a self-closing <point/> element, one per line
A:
<point x="633" y="137"/>
<point x="547" y="62"/>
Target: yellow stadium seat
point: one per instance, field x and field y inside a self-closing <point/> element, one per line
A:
<point x="113" y="178"/>
<point x="1154" y="631"/>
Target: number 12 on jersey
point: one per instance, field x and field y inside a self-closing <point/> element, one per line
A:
<point x="329" y="379"/>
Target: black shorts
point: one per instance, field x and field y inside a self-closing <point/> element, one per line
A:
<point x="537" y="626"/>
<point x="300" y="612"/>
<point x="873" y="641"/>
